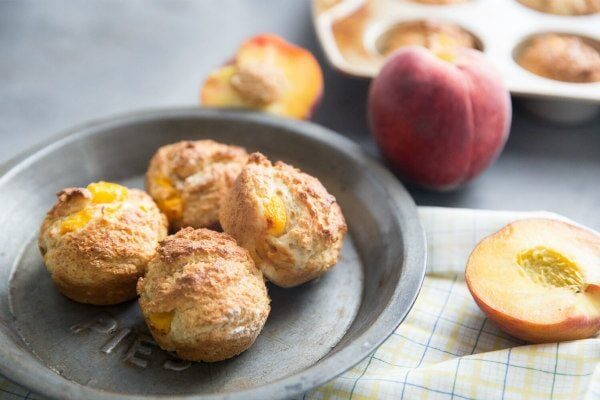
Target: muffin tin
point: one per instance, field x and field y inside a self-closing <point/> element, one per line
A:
<point x="350" y="32"/>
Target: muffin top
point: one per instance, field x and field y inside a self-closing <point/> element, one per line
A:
<point x="105" y="225"/>
<point x="291" y="225"/>
<point x="439" y="37"/>
<point x="564" y="7"/>
<point x="188" y="180"/>
<point x="204" y="286"/>
<point x="561" y="57"/>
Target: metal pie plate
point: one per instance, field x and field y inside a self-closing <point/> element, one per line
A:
<point x="67" y="350"/>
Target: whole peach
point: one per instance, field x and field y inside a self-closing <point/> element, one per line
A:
<point x="439" y="120"/>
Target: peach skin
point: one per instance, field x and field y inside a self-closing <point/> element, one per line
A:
<point x="439" y="119"/>
<point x="267" y="74"/>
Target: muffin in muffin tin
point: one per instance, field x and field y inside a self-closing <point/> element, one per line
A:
<point x="561" y="57"/>
<point x="437" y="36"/>
<point x="564" y="7"/>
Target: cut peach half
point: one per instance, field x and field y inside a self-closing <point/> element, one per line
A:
<point x="539" y="280"/>
<point x="267" y="74"/>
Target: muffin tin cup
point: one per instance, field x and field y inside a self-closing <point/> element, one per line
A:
<point x="500" y="26"/>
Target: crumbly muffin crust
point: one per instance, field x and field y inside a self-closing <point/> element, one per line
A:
<point x="203" y="297"/>
<point x="95" y="252"/>
<point x="189" y="179"/>
<point x="286" y="219"/>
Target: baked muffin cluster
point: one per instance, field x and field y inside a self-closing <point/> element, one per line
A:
<point x="201" y="292"/>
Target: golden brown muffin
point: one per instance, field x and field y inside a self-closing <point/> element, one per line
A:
<point x="97" y="241"/>
<point x="189" y="179"/>
<point x="439" y="37"/>
<point x="203" y="297"/>
<point x="561" y="57"/>
<point x="564" y="7"/>
<point x="286" y="219"/>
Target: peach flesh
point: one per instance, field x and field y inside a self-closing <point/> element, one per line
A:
<point x="538" y="280"/>
<point x="438" y="123"/>
<point x="267" y="74"/>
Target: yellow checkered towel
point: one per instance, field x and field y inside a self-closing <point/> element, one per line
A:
<point x="447" y="349"/>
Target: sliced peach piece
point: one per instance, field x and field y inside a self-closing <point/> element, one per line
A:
<point x="75" y="221"/>
<point x="102" y="193"/>
<point x="275" y="215"/>
<point x="107" y="192"/>
<point x="169" y="201"/>
<point x="267" y="74"/>
<point x="161" y="321"/>
<point x="539" y="280"/>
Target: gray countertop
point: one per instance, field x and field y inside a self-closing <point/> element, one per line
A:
<point x="66" y="62"/>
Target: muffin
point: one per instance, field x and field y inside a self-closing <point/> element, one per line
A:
<point x="189" y="179"/>
<point x="286" y="219"/>
<point x="439" y="37"/>
<point x="561" y="57"/>
<point x="203" y="297"/>
<point x="564" y="7"/>
<point x="97" y="241"/>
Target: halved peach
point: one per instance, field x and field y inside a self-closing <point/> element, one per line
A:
<point x="539" y="280"/>
<point x="268" y="74"/>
